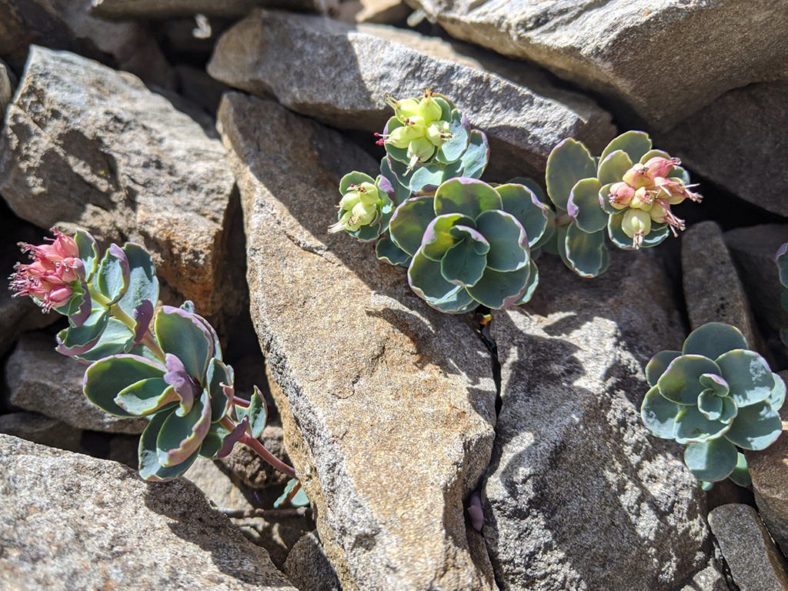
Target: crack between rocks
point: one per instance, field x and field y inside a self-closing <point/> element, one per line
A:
<point x="303" y="245"/>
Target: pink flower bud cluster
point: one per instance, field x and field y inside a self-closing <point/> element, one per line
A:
<point x="646" y="193"/>
<point x="50" y="279"/>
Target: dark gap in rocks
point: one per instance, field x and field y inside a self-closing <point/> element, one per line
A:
<point x="483" y="327"/>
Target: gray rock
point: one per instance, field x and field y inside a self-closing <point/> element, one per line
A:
<point x="578" y="494"/>
<point x="394" y="402"/>
<point x="709" y="579"/>
<point x="75" y="522"/>
<point x="755" y="563"/>
<point x="340" y="74"/>
<point x="40" y="429"/>
<point x="93" y="147"/>
<point x="67" y="24"/>
<point x="373" y="11"/>
<point x="712" y="289"/>
<point x="7" y="86"/>
<point x="226" y="8"/>
<point x="737" y="141"/>
<point x="628" y="49"/>
<point x="753" y="250"/>
<point x="41" y="380"/>
<point x="308" y="568"/>
<point x="769" y="472"/>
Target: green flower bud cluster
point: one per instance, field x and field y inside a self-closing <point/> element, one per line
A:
<point x="715" y="396"/>
<point x="364" y="205"/>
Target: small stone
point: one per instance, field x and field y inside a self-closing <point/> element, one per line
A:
<point x="738" y="142"/>
<point x="42" y="380"/>
<point x="769" y="473"/>
<point x="40" y="429"/>
<point x="70" y="521"/>
<point x="639" y="52"/>
<point x="161" y="9"/>
<point x="754" y="561"/>
<point x="709" y="579"/>
<point x="394" y="401"/>
<point x="712" y="289"/>
<point x="87" y="146"/>
<point x="308" y="568"/>
<point x="340" y="74"/>
<point x="578" y="494"/>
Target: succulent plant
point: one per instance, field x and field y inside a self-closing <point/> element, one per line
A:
<point x="715" y="395"/>
<point x="627" y="191"/>
<point x="469" y="244"/>
<point x="782" y="268"/>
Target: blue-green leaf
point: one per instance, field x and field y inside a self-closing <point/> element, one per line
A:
<point x="387" y="251"/>
<point x="149" y="467"/>
<point x="713" y="339"/>
<point x="569" y="162"/>
<point x="740" y="474"/>
<point x="748" y="376"/>
<point x="659" y="414"/>
<point x="507" y="239"/>
<point x="530" y="285"/>
<point x="474" y="159"/>
<point x="438" y="237"/>
<point x="586" y="253"/>
<point x="182" y="436"/>
<point x="777" y="395"/>
<point x="680" y="381"/>
<point x="106" y="378"/>
<point x="463" y="264"/>
<point x="112" y="276"/>
<point x="613" y="166"/>
<point x="78" y="340"/>
<point x="218" y="377"/>
<point x="499" y="289"/>
<point x="658" y="364"/>
<point x="409" y="222"/>
<point x="146" y="396"/>
<point x="353" y="178"/>
<point x="756" y="427"/>
<point x="693" y="427"/>
<point x="712" y="460"/>
<point x="584" y="208"/>
<point x="466" y="196"/>
<point x="88" y="252"/>
<point x="183" y="335"/>
<point x="634" y="143"/>
<point x="425" y="279"/>
<point x="453" y="148"/>
<point x="524" y="204"/>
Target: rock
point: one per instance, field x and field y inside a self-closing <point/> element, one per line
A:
<point x="340" y="74"/>
<point x="249" y="469"/>
<point x="75" y="522"/>
<point x="754" y="561"/>
<point x="17" y="315"/>
<point x="93" y="147"/>
<point x="769" y="473"/>
<point x="394" y="401"/>
<point x="373" y="11"/>
<point x="709" y="579"/>
<point x="67" y="24"/>
<point x="40" y="429"/>
<point x="41" y="380"/>
<point x="712" y="289"/>
<point x="628" y="49"/>
<point x="737" y="142"/>
<point x="579" y="495"/>
<point x="753" y="251"/>
<point x="7" y="86"/>
<point x="308" y="568"/>
<point x="160" y="9"/>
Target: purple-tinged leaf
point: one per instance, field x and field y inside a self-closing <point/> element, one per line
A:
<point x="185" y="387"/>
<point x="182" y="436"/>
<point x="142" y="314"/>
<point x="233" y="438"/>
<point x="184" y="335"/>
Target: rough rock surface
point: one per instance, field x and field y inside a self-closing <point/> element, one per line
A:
<point x="395" y="402"/>
<point x="41" y="380"/>
<point x="579" y="495"/>
<point x="629" y="48"/>
<point x="7" y="85"/>
<point x="738" y="141"/>
<point x="769" y="472"/>
<point x="67" y="24"/>
<point x="92" y="524"/>
<point x="340" y="74"/>
<point x="755" y="562"/>
<point x="753" y="250"/>
<point x="709" y="579"/>
<point x="712" y="289"/>
<point x="308" y="568"/>
<point x="224" y="8"/>
<point x="373" y="11"/>
<point x="40" y="429"/>
<point x="90" y="146"/>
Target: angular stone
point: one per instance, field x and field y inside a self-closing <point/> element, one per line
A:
<point x="41" y="380"/>
<point x="738" y="142"/>
<point x="629" y="49"/>
<point x="89" y="146"/>
<point x="75" y="522"/>
<point x="67" y="24"/>
<point x="709" y="579"/>
<point x="579" y="495"/>
<point x="225" y="8"/>
<point x="340" y="74"/>
<point x="769" y="473"/>
<point x="7" y="86"/>
<point x="373" y="11"/>
<point x="40" y="429"/>
<point x="754" y="561"/>
<point x="713" y="291"/>
<point x="308" y="568"/>
<point x="394" y="402"/>
<point x="753" y="250"/>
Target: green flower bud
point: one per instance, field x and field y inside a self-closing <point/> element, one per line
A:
<point x="419" y="150"/>
<point x="636" y="224"/>
<point x="403" y="109"/>
<point x="429" y="109"/>
<point x="438" y="133"/>
<point x="349" y="199"/>
<point x="361" y="215"/>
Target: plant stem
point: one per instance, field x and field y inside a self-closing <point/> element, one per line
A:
<point x="562" y="219"/>
<point x="260" y="450"/>
<point x="267" y="513"/>
<point x="241" y="402"/>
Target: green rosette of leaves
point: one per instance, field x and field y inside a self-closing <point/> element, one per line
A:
<point x="716" y="397"/>
<point x="469" y="244"/>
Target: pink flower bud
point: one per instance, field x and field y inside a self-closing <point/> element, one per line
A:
<point x="620" y="195"/>
<point x="660" y="167"/>
<point x="637" y="177"/>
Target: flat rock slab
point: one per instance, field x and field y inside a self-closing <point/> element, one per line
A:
<point x="40" y="379"/>
<point x="769" y="472"/>
<point x="394" y="401"/>
<point x="225" y="8"/>
<point x="93" y="147"/>
<point x="743" y="130"/>
<point x="579" y="495"/>
<point x="340" y="74"/>
<point x="628" y="49"/>
<point x="74" y="522"/>
<point x="754" y="561"/>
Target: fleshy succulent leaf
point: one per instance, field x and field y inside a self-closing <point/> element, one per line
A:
<point x="88" y="252"/>
<point x="112" y="276"/>
<point x="467" y="196"/>
<point x="452" y="149"/>
<point x="713" y="339"/>
<point x="531" y="284"/>
<point x="508" y="243"/>
<point x="146" y="396"/>
<point x="257" y="413"/>
<point x="297" y="498"/>
<point x="115" y="338"/>
<point x="616" y="233"/>
<point x="613" y="166"/>
<point x="500" y="289"/>
<point x="143" y="286"/>
<point x="740" y="474"/>
<point x="185" y="336"/>
<point x="182" y="436"/>
<point x="217" y="377"/>
<point x="634" y="143"/>
<point x="150" y="468"/>
<point x="659" y="414"/>
<point x="710" y="405"/>
<point x="387" y="251"/>
<point x="777" y="395"/>
<point x="232" y="438"/>
<point x="568" y="162"/>
<point x="183" y="384"/>
<point x="756" y="427"/>
<point x="524" y="204"/>
<point x="353" y="178"/>
<point x="438" y="238"/>
<point x="712" y="460"/>
<point x="409" y="222"/>
<point x="658" y="364"/>
<point x="583" y="206"/>
<point x="107" y="377"/>
<point x="462" y="263"/>
<point x="427" y="178"/>
<point x="424" y="277"/>
<point x="715" y="383"/>
<point x="77" y="340"/>
<point x="401" y="191"/>
<point x="679" y="383"/>
<point x="586" y="253"/>
<point x="748" y="376"/>
<point x="474" y="159"/>
<point x="693" y="427"/>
